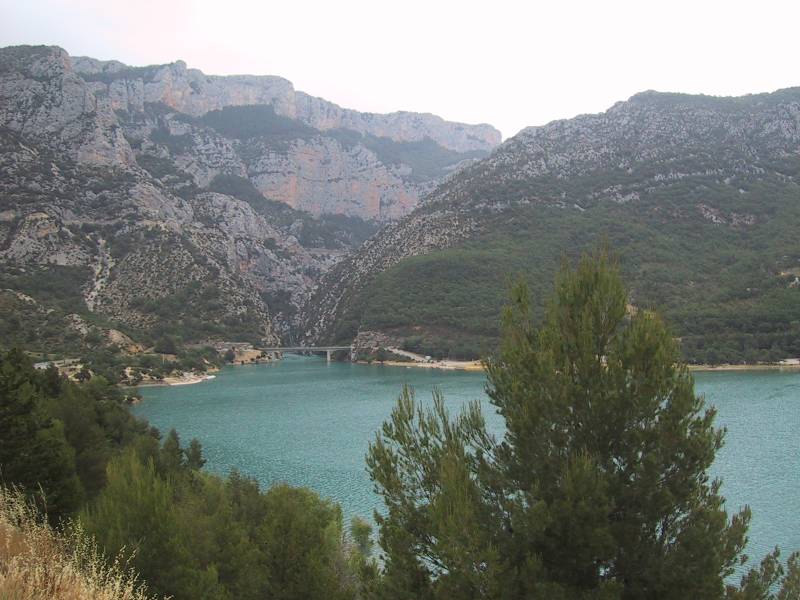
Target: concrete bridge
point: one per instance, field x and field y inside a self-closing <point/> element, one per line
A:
<point x="302" y="349"/>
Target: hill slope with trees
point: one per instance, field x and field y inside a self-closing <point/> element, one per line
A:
<point x="700" y="196"/>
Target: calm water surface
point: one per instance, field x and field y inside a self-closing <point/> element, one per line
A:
<point x="308" y="423"/>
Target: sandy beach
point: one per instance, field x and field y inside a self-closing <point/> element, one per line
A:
<point x="422" y="362"/>
<point x="187" y="379"/>
<point x="759" y="367"/>
<point x="448" y="365"/>
<point x="419" y="361"/>
<point x="184" y="379"/>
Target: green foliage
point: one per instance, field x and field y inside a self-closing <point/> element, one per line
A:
<point x="194" y="455"/>
<point x="455" y="318"/>
<point x="724" y="309"/>
<point x="40" y="323"/>
<point x="111" y="365"/>
<point x="34" y="453"/>
<point x="138" y="506"/>
<point x="243" y="189"/>
<point x="166" y="345"/>
<point x="245" y="122"/>
<point x="599" y="487"/>
<point x="770" y="580"/>
<point x="194" y="535"/>
<point x="55" y="436"/>
<point x="61" y="286"/>
<point x="301" y="539"/>
<point x="177" y="144"/>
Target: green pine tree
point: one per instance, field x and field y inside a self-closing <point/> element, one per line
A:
<point x="300" y="538"/>
<point x="194" y="455"/>
<point x="138" y="512"/>
<point x="599" y="487"/>
<point x="171" y="458"/>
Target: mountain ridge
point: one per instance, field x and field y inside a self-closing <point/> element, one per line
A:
<point x="401" y="126"/>
<point x="699" y="176"/>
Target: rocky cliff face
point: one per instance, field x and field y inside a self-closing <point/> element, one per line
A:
<point x="165" y="201"/>
<point x="191" y="92"/>
<point x="42" y="99"/>
<point x="687" y="188"/>
<point x="306" y="152"/>
<point x="652" y="139"/>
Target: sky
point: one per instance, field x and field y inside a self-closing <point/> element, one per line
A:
<point x="508" y="63"/>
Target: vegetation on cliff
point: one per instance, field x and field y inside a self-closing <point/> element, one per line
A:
<point x="728" y="295"/>
<point x="698" y="194"/>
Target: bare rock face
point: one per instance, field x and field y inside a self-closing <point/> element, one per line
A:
<point x="191" y="92"/>
<point x="319" y="176"/>
<point x="658" y="138"/>
<point x="185" y="90"/>
<point x="41" y="237"/>
<point x="398" y="126"/>
<point x="167" y="200"/>
<point x="144" y="247"/>
<point x="306" y="152"/>
<point x="42" y="98"/>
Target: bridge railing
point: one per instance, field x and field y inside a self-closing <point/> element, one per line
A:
<point x="326" y="349"/>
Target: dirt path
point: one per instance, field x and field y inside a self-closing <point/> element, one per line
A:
<point x="102" y="270"/>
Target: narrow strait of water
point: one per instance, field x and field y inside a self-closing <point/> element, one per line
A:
<point x="306" y="422"/>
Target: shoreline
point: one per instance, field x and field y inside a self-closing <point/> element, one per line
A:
<point x="746" y="367"/>
<point x="476" y="365"/>
<point x="185" y="379"/>
<point x="444" y="365"/>
<point x="469" y="366"/>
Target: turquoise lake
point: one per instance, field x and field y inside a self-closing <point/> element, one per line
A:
<point x="306" y="422"/>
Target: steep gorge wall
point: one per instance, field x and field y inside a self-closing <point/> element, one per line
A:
<point x="327" y="160"/>
<point x="192" y="92"/>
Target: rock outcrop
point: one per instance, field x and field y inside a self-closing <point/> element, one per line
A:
<point x="42" y="99"/>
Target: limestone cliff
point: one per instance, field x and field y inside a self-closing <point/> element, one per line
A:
<point x="192" y="92"/>
<point x="42" y="99"/>
<point x="304" y="151"/>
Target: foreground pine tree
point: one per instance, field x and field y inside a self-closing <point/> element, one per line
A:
<point x="599" y="487"/>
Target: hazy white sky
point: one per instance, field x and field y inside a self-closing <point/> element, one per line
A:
<point x="511" y="64"/>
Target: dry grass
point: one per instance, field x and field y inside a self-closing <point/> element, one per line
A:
<point x="40" y="563"/>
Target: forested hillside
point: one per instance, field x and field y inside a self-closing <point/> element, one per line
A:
<point x="699" y="195"/>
